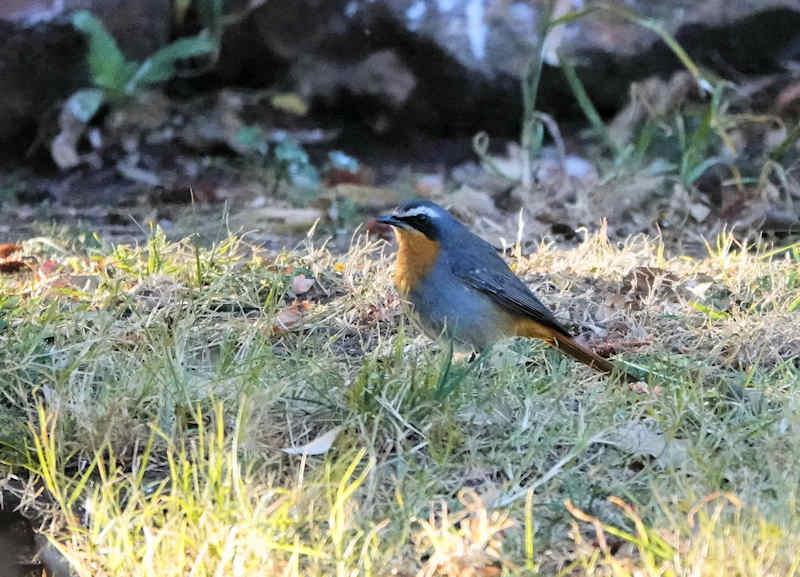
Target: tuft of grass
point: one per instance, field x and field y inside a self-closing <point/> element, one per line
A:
<point x="161" y="383"/>
<point x="716" y="537"/>
<point x="206" y="514"/>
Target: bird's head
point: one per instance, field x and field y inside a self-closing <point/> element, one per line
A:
<point x="421" y="217"/>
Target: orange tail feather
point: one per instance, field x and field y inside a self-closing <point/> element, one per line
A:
<point x="578" y="352"/>
<point x="571" y="347"/>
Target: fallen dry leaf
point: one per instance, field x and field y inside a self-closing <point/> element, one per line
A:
<point x="318" y="446"/>
<point x="301" y="284"/>
<point x="287" y="219"/>
<point x="9" y="248"/>
<point x="645" y="438"/>
<point x="372" y="197"/>
<point x="291" y="317"/>
<point x="611" y="347"/>
<point x="469" y="204"/>
<point x="11" y="266"/>
<point x="640" y="282"/>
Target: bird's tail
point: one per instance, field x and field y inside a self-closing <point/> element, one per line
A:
<point x="570" y="346"/>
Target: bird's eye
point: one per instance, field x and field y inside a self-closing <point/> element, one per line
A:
<point x="422" y="217"/>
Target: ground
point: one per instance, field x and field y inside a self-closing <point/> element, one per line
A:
<point x="181" y="408"/>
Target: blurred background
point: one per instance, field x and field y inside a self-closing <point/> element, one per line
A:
<point x="123" y="120"/>
<point x="678" y="118"/>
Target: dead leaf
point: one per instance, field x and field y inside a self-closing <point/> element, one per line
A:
<point x="319" y="446"/>
<point x="291" y="317"/>
<point x="9" y="248"/>
<point x="469" y="204"/>
<point x="364" y="176"/>
<point x="641" y="438"/>
<point x="301" y="284"/>
<point x="11" y="266"/>
<point x="612" y="347"/>
<point x="286" y="219"/>
<point x="653" y="97"/>
<point x="367" y="196"/>
<point x="643" y="281"/>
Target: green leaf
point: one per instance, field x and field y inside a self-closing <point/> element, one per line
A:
<point x="297" y="164"/>
<point x="160" y="67"/>
<point x="695" y="172"/>
<point x="107" y="64"/>
<point x="709" y="311"/>
<point x="252" y="139"/>
<point x="85" y="103"/>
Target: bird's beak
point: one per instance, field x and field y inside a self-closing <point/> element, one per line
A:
<point x="390" y="220"/>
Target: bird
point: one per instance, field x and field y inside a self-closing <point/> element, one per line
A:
<point x="459" y="287"/>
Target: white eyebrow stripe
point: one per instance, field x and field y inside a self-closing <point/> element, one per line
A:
<point x="418" y="210"/>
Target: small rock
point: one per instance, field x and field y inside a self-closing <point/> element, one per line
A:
<point x="699" y="211"/>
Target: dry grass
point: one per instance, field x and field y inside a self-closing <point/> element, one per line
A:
<point x="147" y="394"/>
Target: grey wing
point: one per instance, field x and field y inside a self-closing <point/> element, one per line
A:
<point x="486" y="271"/>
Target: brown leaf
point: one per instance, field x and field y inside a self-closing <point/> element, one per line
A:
<point x="611" y="347"/>
<point x="11" y="266"/>
<point x="643" y="280"/>
<point x="336" y="177"/>
<point x="372" y="197"/>
<point x="291" y="317"/>
<point x="9" y="248"/>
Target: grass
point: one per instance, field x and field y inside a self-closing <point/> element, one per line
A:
<point x="147" y="395"/>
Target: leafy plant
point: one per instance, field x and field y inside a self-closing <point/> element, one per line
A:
<point x="293" y="164"/>
<point x="115" y="77"/>
<point x="534" y="121"/>
<point x="286" y="161"/>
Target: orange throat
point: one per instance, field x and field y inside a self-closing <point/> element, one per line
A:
<point x="416" y="255"/>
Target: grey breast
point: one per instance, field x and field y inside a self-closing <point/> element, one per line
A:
<point x="445" y="306"/>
